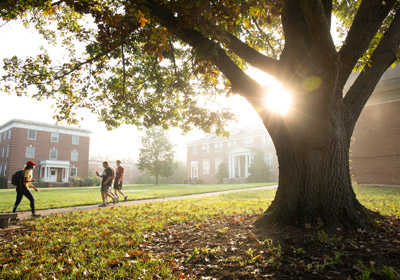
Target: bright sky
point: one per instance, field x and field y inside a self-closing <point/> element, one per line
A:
<point x="119" y="143"/>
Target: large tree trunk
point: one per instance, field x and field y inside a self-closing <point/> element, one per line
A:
<point x="314" y="177"/>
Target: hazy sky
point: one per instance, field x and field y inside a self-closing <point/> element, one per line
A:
<point x="119" y="143"/>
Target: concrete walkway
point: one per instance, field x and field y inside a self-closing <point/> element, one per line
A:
<point x="47" y="212"/>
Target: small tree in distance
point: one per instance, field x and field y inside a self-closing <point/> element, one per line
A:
<point x="222" y="172"/>
<point x="259" y="170"/>
<point x="156" y="155"/>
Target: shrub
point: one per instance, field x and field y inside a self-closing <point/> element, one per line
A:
<point x="88" y="182"/>
<point x="3" y="182"/>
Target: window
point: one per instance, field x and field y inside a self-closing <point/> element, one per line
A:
<point x="131" y="175"/>
<point x="5" y="133"/>
<point x="268" y="158"/>
<point x="74" y="156"/>
<point x="194" y="149"/>
<point x="218" y="147"/>
<point x="131" y="167"/>
<point x="2" y="153"/>
<point x="206" y="166"/>
<point x="5" y="169"/>
<point x="73" y="172"/>
<point x="32" y="134"/>
<point x="55" y="137"/>
<point x="75" y="139"/>
<point x="53" y="154"/>
<point x="205" y="148"/>
<point x="8" y="150"/>
<point x="249" y="142"/>
<point x="30" y="152"/>
<point x="9" y="134"/>
<point x="1" y="168"/>
<point x="266" y="140"/>
<point x="217" y="162"/>
<point x="0" y="140"/>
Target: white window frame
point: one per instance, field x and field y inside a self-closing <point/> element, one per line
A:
<point x="217" y="163"/>
<point x="2" y="153"/>
<point x="0" y="141"/>
<point x="5" y="169"/>
<point x="53" y="158"/>
<point x="5" y="135"/>
<point x="9" y="133"/>
<point x="76" y="172"/>
<point x="1" y="168"/>
<point x="74" y="155"/>
<point x="29" y="136"/>
<point x="8" y="151"/>
<point x="249" y="142"/>
<point x="55" y="137"/>
<point x="206" y="166"/>
<point x="269" y="160"/>
<point x="76" y="142"/>
<point x="28" y="151"/>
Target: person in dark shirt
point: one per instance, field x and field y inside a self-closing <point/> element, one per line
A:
<point x="119" y="178"/>
<point x="107" y="179"/>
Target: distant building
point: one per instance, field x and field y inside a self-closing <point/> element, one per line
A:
<point x="376" y="147"/>
<point x="205" y="155"/>
<point x="130" y="170"/>
<point x="61" y="152"/>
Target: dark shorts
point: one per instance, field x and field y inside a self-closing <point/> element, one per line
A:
<point x="105" y="188"/>
<point x="117" y="186"/>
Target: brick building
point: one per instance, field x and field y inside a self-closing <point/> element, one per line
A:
<point x="237" y="152"/>
<point x="130" y="170"/>
<point x="61" y="152"/>
<point x="376" y="138"/>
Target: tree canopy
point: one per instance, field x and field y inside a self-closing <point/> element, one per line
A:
<point x="156" y="155"/>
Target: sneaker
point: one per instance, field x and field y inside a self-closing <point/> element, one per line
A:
<point x="102" y="205"/>
<point x="125" y="198"/>
<point x="114" y="200"/>
<point x="117" y="199"/>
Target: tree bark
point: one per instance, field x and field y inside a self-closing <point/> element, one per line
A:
<point x="314" y="178"/>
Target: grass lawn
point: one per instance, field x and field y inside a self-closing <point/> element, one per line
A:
<point x="198" y="238"/>
<point x="75" y="196"/>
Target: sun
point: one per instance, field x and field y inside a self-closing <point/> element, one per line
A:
<point x="277" y="99"/>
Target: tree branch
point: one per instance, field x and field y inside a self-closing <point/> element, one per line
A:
<point x="383" y="56"/>
<point x="366" y="24"/>
<point x="241" y="83"/>
<point x="318" y="25"/>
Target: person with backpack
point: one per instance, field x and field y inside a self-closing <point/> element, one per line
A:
<point x="23" y="184"/>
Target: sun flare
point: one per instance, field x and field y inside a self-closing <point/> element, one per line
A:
<point x="277" y="99"/>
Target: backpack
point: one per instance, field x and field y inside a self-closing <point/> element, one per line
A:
<point x="16" y="178"/>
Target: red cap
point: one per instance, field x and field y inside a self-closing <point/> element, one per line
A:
<point x="31" y="163"/>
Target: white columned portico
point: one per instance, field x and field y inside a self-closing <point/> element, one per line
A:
<point x="239" y="161"/>
<point x="48" y="165"/>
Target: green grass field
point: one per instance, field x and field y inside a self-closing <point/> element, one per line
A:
<point x="106" y="243"/>
<point x="75" y="196"/>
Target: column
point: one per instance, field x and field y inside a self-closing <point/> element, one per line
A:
<point x="67" y="175"/>
<point x="230" y="166"/>
<point x="246" y="166"/>
<point x="239" y="173"/>
<point x="45" y="174"/>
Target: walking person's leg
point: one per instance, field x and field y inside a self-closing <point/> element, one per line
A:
<point x="27" y="193"/>
<point x="18" y="200"/>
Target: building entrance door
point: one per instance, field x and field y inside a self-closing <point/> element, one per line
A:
<point x="53" y="175"/>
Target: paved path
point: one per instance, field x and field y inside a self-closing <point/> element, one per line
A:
<point x="46" y="212"/>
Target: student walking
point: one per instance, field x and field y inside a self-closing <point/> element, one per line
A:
<point x="119" y="178"/>
<point x="107" y="179"/>
<point x="23" y="187"/>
